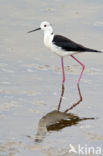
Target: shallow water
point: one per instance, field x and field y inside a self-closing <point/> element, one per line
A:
<point x="30" y="79"/>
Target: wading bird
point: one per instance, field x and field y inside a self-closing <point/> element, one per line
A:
<point x="62" y="46"/>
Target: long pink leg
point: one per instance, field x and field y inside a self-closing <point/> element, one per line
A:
<point x="62" y="63"/>
<point x="78" y="102"/>
<point x="61" y="97"/>
<point x="83" y="67"/>
<point x="63" y="80"/>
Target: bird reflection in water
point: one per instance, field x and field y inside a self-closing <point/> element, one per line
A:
<point x="56" y="120"/>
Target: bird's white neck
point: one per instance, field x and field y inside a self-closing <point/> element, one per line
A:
<point x="48" y="31"/>
<point x="48" y="37"/>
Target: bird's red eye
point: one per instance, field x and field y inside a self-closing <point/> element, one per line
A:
<point x="45" y="25"/>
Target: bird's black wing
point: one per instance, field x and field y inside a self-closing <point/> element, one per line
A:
<point x="69" y="45"/>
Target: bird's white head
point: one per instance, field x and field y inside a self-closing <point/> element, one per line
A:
<point x="45" y="26"/>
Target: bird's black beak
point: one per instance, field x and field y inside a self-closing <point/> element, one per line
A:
<point x="34" y="30"/>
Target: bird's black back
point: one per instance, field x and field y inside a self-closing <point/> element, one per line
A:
<point x="69" y="45"/>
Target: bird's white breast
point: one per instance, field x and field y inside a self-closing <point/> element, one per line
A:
<point x="48" y="39"/>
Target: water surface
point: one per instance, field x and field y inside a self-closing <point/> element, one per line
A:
<point x="30" y="79"/>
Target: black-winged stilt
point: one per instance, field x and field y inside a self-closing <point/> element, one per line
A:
<point x="62" y="46"/>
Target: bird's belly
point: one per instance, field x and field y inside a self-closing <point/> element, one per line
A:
<point x="59" y="51"/>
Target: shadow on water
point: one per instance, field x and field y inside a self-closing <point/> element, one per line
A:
<point x="56" y="120"/>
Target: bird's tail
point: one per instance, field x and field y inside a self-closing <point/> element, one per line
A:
<point x="93" y="50"/>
